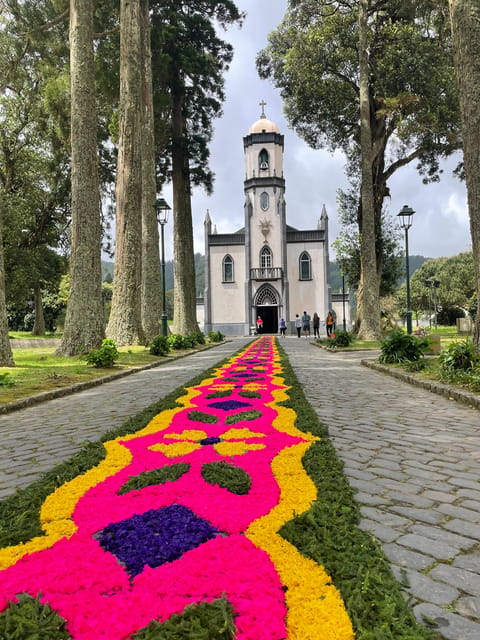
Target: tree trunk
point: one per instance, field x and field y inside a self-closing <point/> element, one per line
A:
<point x="369" y="290"/>
<point x="125" y="323"/>
<point x="184" y="301"/>
<point x="84" y="324"/>
<point x="151" y="277"/>
<point x="465" y="21"/>
<point x="39" y="322"/>
<point x="6" y="355"/>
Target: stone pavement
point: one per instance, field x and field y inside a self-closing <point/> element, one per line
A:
<point x="414" y="459"/>
<point x="412" y="456"/>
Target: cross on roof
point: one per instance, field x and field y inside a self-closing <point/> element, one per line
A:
<point x="263" y="105"/>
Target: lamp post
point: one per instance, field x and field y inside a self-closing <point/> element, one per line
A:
<point x="405" y="216"/>
<point x="162" y="209"/>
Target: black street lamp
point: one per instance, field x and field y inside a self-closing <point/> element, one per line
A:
<point x="405" y="216"/>
<point x="162" y="209"/>
<point x="343" y="301"/>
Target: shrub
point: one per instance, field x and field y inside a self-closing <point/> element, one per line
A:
<point x="215" y="336"/>
<point x="159" y="346"/>
<point x="459" y="356"/>
<point x="399" y="347"/>
<point x="341" y="339"/>
<point x="105" y="356"/>
<point x="189" y="341"/>
<point x="176" y="341"/>
<point x="6" y="380"/>
<point x="199" y="337"/>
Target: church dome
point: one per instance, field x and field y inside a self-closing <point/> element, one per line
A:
<point x="263" y="125"/>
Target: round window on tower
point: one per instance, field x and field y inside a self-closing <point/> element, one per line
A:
<point x="264" y="200"/>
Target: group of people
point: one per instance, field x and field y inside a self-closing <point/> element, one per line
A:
<point x="303" y="324"/>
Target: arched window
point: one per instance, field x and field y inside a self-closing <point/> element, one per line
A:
<point x="227" y="269"/>
<point x="305" y="266"/>
<point x="263" y="160"/>
<point x="266" y="258"/>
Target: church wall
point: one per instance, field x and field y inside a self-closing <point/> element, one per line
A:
<point x="306" y="295"/>
<point x="227" y="298"/>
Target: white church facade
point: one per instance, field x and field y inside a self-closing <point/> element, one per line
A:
<point x="268" y="268"/>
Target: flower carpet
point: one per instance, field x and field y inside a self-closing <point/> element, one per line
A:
<point x="186" y="511"/>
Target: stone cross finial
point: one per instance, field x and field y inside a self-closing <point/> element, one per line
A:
<point x="263" y="104"/>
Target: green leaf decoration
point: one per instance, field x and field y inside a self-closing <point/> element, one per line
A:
<point x="219" y="394"/>
<point x="29" y="619"/>
<point x="227" y="476"/>
<point x="250" y="394"/>
<point x="243" y="416"/>
<point x="202" y="621"/>
<point x="200" y="416"/>
<point x="169" y="473"/>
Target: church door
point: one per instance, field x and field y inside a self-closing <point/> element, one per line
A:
<point x="269" y="316"/>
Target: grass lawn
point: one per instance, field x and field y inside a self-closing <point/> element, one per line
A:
<point x="39" y="369"/>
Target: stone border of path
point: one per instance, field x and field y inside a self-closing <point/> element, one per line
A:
<point x="29" y="401"/>
<point x="461" y="395"/>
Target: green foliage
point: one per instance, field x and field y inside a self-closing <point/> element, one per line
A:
<point x="341" y="339"/>
<point x="249" y="394"/>
<point x="176" y="341"/>
<point x="105" y="357"/>
<point x="227" y="476"/>
<point x="215" y="336"/>
<point x="203" y="621"/>
<point x="399" y="347"/>
<point x="29" y="619"/>
<point x="200" y="416"/>
<point x="199" y="337"/>
<point x="169" y="473"/>
<point x="219" y="394"/>
<point x="189" y="341"/>
<point x="159" y="346"/>
<point x="459" y="356"/>
<point x="6" y="380"/>
<point x="243" y="416"/>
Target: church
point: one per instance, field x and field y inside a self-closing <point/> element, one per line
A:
<point x="268" y="268"/>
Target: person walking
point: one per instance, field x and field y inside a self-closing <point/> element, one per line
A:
<point x="298" y="325"/>
<point x="259" y="324"/>
<point x="316" y="325"/>
<point x="306" y="324"/>
<point x="283" y="326"/>
<point x="329" y="324"/>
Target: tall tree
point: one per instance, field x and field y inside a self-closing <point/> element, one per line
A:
<point x="84" y="324"/>
<point x="125" y="322"/>
<point x="313" y="58"/>
<point x="151" y="281"/>
<point x="193" y="59"/>
<point x="368" y="297"/>
<point x="465" y="22"/>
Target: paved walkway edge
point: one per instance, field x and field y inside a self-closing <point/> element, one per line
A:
<point x="29" y="401"/>
<point x="461" y="395"/>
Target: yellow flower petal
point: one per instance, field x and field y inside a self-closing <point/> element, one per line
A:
<point x="241" y="434"/>
<point x="188" y="434"/>
<point x="176" y="450"/>
<point x="236" y="448"/>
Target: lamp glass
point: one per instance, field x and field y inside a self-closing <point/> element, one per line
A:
<point x="405" y="216"/>
<point x="162" y="209"/>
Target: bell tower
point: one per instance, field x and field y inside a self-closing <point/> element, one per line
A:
<point x="265" y="220"/>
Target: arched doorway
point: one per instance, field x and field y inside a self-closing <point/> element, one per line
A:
<point x="266" y="306"/>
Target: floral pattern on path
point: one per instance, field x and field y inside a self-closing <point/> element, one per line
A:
<point x="110" y="561"/>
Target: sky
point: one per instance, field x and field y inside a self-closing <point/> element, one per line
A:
<point x="313" y="177"/>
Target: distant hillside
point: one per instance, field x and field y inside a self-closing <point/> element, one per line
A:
<point x="414" y="263"/>
<point x="107" y="272"/>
